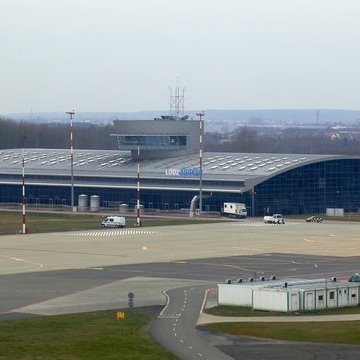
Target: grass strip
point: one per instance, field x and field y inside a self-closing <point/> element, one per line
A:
<point x="90" y="336"/>
<point x="340" y="332"/>
<point x="11" y="222"/>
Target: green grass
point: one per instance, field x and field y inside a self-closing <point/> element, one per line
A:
<point x="11" y="222"/>
<point x="225" y="310"/>
<point x="340" y="332"/>
<point x="90" y="336"/>
<point x="343" y="332"/>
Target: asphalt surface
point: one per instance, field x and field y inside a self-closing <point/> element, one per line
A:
<point x="175" y="327"/>
<point x="47" y="274"/>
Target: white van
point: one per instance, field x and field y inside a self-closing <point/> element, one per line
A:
<point x="113" y="222"/>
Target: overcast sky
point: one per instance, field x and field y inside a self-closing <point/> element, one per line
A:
<point x="122" y="55"/>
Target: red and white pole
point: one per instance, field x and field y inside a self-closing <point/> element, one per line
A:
<point x="138" y="224"/>
<point x="71" y="114"/>
<point x="23" y="194"/>
<point x="201" y="115"/>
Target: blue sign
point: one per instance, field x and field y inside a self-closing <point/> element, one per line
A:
<point x="183" y="172"/>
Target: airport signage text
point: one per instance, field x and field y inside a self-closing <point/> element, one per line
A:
<point x="182" y="172"/>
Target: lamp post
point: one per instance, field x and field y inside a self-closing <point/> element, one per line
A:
<point x="201" y="115"/>
<point x="253" y="193"/>
<point x="23" y="188"/>
<point x="71" y="114"/>
<point x="138" y="223"/>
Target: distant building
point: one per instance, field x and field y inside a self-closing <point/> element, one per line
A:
<point x="169" y="174"/>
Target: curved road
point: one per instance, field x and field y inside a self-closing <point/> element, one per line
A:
<point x="175" y="327"/>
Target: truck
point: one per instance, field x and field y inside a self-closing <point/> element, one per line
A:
<point x="113" y="222"/>
<point x="355" y="278"/>
<point x="231" y="209"/>
<point x="274" y="219"/>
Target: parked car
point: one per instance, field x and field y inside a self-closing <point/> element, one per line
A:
<point x="275" y="219"/>
<point x="314" y="219"/>
<point x="113" y="222"/>
<point x="354" y="278"/>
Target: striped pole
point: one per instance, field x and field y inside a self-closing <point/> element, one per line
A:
<point x="201" y="159"/>
<point x="23" y="192"/>
<point x="71" y="114"/>
<point x="138" y="224"/>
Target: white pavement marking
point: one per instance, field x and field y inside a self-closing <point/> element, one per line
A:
<point x="260" y="224"/>
<point x="244" y="248"/>
<point x="98" y="233"/>
<point x="39" y="265"/>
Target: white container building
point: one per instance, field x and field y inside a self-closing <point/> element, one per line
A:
<point x="290" y="295"/>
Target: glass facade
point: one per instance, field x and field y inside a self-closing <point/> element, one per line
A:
<point x="308" y="189"/>
<point x="151" y="141"/>
<point x="311" y="189"/>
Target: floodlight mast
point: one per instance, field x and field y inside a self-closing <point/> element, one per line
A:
<point x="24" y="231"/>
<point x="201" y="121"/>
<point x="138" y="222"/>
<point x="71" y="114"/>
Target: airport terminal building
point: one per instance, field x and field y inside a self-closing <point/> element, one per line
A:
<point x="167" y="152"/>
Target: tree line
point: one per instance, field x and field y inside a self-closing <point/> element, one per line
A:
<point x="290" y="140"/>
<point x="16" y="134"/>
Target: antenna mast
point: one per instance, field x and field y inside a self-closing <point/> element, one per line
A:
<point x="177" y="102"/>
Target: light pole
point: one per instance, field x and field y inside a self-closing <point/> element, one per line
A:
<point x="253" y="193"/>
<point x="71" y="114"/>
<point x="201" y="115"/>
<point x="138" y="223"/>
<point x="23" y="188"/>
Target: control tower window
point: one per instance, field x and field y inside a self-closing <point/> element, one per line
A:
<point x="152" y="140"/>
